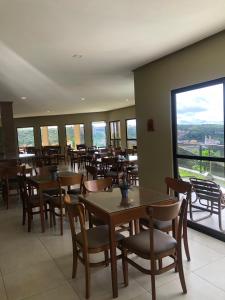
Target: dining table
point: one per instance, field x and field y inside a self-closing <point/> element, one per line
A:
<point x="114" y="211"/>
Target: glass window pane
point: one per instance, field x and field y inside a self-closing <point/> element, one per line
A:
<point x="49" y="136"/>
<point x="74" y="135"/>
<point x="202" y="169"/>
<point x="99" y="134"/>
<point x="131" y="129"/>
<point x="25" y="137"/>
<point x="200" y="119"/>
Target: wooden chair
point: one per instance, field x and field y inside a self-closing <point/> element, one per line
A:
<point x="94" y="172"/>
<point x="209" y="198"/>
<point x="10" y="180"/>
<point x="46" y="171"/>
<point x="181" y="189"/>
<point x="31" y="201"/>
<point x="87" y="241"/>
<point x="100" y="185"/>
<point x="154" y="245"/>
<point x="112" y="169"/>
<point x="57" y="202"/>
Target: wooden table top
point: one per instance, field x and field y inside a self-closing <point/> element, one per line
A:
<point x="41" y="179"/>
<point x="111" y="201"/>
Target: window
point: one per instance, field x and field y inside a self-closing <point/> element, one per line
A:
<point x="131" y="133"/>
<point x="25" y="137"/>
<point x="49" y="136"/>
<point x="99" y="134"/>
<point x="115" y="136"/>
<point x="74" y="135"/>
<point x="198" y="136"/>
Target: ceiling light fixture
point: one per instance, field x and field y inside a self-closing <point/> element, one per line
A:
<point x="23" y="98"/>
<point x="82" y="99"/>
<point x="127" y="100"/>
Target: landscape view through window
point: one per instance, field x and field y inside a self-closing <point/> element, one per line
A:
<point x="200" y="133"/>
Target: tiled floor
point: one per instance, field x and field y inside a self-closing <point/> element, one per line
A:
<point x="37" y="266"/>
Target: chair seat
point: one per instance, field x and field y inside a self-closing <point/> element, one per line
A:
<point x="54" y="191"/>
<point x="161" y="225"/>
<point x="98" y="237"/>
<point x="140" y="243"/>
<point x="56" y="201"/>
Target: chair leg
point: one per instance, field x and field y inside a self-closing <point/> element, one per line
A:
<point x="125" y="266"/>
<point x="87" y="279"/>
<point x="24" y="215"/>
<point x="46" y="212"/>
<point x="106" y="253"/>
<point x="29" y="214"/>
<point x="185" y="240"/>
<point x="131" y="231"/>
<point x="61" y="221"/>
<point x="74" y="272"/>
<point x="153" y="287"/>
<point x="180" y="270"/>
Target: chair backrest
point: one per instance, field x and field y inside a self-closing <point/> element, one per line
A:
<point x="176" y="187"/>
<point x="167" y="212"/>
<point x="206" y="189"/>
<point x="76" y="210"/>
<point x="92" y="170"/>
<point x="71" y="180"/>
<point x="98" y="185"/>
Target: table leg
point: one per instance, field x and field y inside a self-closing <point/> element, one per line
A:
<point x="42" y="212"/>
<point x="113" y="260"/>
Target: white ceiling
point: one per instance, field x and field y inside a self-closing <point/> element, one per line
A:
<point x="39" y="37"/>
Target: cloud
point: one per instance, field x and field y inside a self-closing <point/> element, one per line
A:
<point x="191" y="110"/>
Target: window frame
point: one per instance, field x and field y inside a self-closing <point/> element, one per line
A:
<point x="18" y="135"/>
<point x="176" y="156"/>
<point x="115" y="142"/>
<point x="57" y="133"/>
<point x="92" y="140"/>
<point x="127" y="134"/>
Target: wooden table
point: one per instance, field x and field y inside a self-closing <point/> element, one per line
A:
<point x="108" y="207"/>
<point x="42" y="183"/>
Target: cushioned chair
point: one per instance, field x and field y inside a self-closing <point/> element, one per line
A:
<point x="56" y="203"/>
<point x="100" y="185"/>
<point x="87" y="241"/>
<point x="30" y="201"/>
<point x="181" y="189"/>
<point x="154" y="244"/>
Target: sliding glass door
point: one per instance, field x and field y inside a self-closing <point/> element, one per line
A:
<point x="198" y="142"/>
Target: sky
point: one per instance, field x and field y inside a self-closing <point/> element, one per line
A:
<point x="200" y="106"/>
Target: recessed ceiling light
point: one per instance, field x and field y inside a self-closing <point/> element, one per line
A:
<point x="48" y="111"/>
<point x="127" y="100"/>
<point x="77" y="56"/>
<point x="23" y="98"/>
<point x="82" y="99"/>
